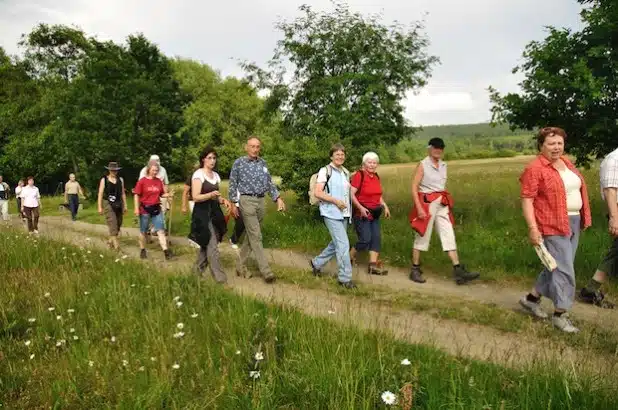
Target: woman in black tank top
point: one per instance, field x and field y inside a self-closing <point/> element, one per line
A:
<point x="208" y="222"/>
<point x="112" y="202"/>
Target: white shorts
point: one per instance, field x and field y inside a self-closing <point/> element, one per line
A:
<point x="439" y="218"/>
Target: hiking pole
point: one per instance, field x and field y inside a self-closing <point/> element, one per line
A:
<point x="171" y="212"/>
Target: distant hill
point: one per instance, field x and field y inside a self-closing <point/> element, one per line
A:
<point x="467" y="130"/>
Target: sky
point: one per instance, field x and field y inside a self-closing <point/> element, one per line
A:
<point x="477" y="41"/>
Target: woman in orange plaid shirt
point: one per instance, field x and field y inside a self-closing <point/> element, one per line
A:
<point x="556" y="208"/>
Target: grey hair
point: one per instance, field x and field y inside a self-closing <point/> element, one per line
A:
<point x="370" y="156"/>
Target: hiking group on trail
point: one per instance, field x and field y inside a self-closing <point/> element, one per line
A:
<point x="554" y="195"/>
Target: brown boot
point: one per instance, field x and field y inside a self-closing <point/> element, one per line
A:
<point x="375" y="269"/>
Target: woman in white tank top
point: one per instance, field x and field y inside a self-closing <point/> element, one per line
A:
<point x="431" y="208"/>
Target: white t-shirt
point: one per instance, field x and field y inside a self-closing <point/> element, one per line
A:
<point x="30" y="196"/>
<point x="18" y="190"/>
<point x="572" y="186"/>
<point x="201" y="175"/>
<point x="162" y="175"/>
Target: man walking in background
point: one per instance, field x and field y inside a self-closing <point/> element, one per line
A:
<point x="249" y="182"/>
<point x="72" y="192"/>
<point x="609" y="265"/>
<point x="5" y="190"/>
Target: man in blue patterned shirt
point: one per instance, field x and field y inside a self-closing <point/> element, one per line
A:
<point x="250" y="181"/>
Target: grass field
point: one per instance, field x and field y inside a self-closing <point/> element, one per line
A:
<point x="491" y="232"/>
<point x="79" y="330"/>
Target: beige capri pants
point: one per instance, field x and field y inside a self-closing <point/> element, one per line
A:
<point x="439" y="219"/>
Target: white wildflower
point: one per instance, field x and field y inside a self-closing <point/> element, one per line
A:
<point x="58" y="317"/>
<point x="47" y="294"/>
<point x="176" y="298"/>
<point x="32" y="356"/>
<point x="100" y="256"/>
<point x="194" y="315"/>
<point x="70" y="310"/>
<point x="259" y="356"/>
<point x="51" y="309"/>
<point x="133" y="285"/>
<point x="75" y="337"/>
<point x="331" y="312"/>
<point x="113" y="339"/>
<point x="32" y="320"/>
<point x="89" y="251"/>
<point x="72" y="330"/>
<point x="125" y="363"/>
<point x="27" y="342"/>
<point x="63" y="248"/>
<point x="90" y="363"/>
<point x="389" y="398"/>
<point x="153" y="359"/>
<point x="180" y="326"/>
<point x="179" y="335"/>
<point x="405" y="362"/>
<point x="141" y="368"/>
<point x="237" y="352"/>
<point x="176" y="366"/>
<point x="178" y="304"/>
<point x="86" y="292"/>
<point x="88" y="239"/>
<point x="254" y="374"/>
<point x="124" y="256"/>
<point x="471" y="382"/>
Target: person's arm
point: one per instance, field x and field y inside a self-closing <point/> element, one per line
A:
<point x="529" y="190"/>
<point x="354" y="186"/>
<point x="100" y="195"/>
<point x="38" y="198"/>
<point x="233" y="194"/>
<point x="416" y="182"/>
<point x="320" y="192"/>
<point x="387" y="211"/>
<point x="611" y="197"/>
<point x="66" y="193"/>
<point x="124" y="195"/>
<point x="137" y="191"/>
<point x="196" y="189"/>
<point x="80" y="191"/>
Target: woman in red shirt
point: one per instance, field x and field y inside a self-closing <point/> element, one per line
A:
<point x="556" y="208"/>
<point x="369" y="206"/>
<point x="148" y="193"/>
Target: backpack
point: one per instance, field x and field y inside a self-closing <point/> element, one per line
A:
<point x="313" y="182"/>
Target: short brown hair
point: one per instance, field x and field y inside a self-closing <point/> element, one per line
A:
<point x="336" y="147"/>
<point x="549" y="132"/>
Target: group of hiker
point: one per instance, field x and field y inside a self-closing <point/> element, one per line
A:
<point x="554" y="196"/>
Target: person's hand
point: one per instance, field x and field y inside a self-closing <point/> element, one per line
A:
<point x="280" y="205"/>
<point x="227" y="204"/>
<point x="534" y="236"/>
<point x="214" y="194"/>
<point x="235" y="212"/>
<point x="421" y="213"/>
<point x="100" y="211"/>
<point x="125" y="210"/>
<point x="387" y="212"/>
<point x="183" y="209"/>
<point x="364" y="212"/>
<point x="613" y="226"/>
<point x="136" y="211"/>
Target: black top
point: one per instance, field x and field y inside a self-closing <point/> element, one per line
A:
<point x="112" y="192"/>
<point x="204" y="213"/>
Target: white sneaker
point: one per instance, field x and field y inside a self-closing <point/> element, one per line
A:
<point x="233" y="245"/>
<point x="564" y="323"/>
<point x="534" y="308"/>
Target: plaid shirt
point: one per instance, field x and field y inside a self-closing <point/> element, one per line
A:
<point x="609" y="172"/>
<point x="541" y="182"/>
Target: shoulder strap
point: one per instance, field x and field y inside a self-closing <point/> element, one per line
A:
<point x="329" y="173"/>
<point x="362" y="179"/>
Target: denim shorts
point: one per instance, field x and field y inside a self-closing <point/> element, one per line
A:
<point x="157" y="221"/>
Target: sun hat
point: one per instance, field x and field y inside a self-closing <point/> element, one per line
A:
<point x="113" y="166"/>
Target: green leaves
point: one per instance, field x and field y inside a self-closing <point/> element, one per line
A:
<point x="571" y="81"/>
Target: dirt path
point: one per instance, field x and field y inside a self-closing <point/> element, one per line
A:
<point x="436" y="286"/>
<point x="459" y="339"/>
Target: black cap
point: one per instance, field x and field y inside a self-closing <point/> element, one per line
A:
<point x="436" y="143"/>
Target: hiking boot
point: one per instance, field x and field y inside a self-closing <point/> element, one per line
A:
<point x="270" y="277"/>
<point x="416" y="274"/>
<point x="564" y="323"/>
<point x="534" y="308"/>
<point x="375" y="270"/>
<point x="462" y="275"/>
<point x="142" y="254"/>
<point x="595" y="298"/>
<point x="168" y="254"/>
<point x="347" y="285"/>
<point x="314" y="270"/>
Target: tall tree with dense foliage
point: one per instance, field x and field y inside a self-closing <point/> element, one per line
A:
<point x="571" y="81"/>
<point x="350" y="74"/>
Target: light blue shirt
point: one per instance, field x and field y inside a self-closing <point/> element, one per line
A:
<point x="338" y="188"/>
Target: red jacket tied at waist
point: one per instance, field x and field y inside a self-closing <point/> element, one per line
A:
<point x="420" y="225"/>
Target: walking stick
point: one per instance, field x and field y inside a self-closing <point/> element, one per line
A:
<point x="171" y="212"/>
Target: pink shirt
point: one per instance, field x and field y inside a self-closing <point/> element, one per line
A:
<point x="30" y="196"/>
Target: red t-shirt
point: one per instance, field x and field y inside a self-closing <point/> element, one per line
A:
<point x="371" y="191"/>
<point x="149" y="191"/>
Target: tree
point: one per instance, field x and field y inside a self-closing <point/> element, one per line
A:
<point x="350" y="75"/>
<point x="571" y="81"/>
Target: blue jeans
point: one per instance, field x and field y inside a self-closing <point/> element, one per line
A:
<point x="339" y="246"/>
<point x="157" y="221"/>
<point x="73" y="205"/>
<point x="369" y="236"/>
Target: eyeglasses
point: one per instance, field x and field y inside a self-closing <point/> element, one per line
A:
<point x="211" y="158"/>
